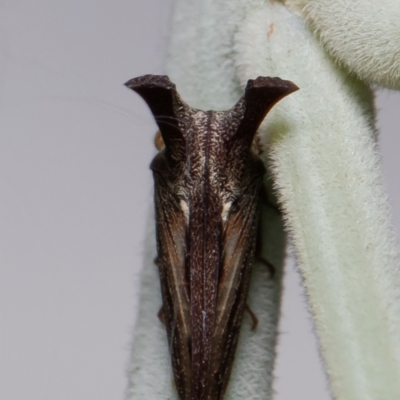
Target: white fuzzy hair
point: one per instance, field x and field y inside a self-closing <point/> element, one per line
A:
<point x="364" y="35"/>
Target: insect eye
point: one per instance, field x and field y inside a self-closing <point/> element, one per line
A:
<point x="159" y="141"/>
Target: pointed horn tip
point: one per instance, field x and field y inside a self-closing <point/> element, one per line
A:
<point x="272" y="83"/>
<point x="150" y="82"/>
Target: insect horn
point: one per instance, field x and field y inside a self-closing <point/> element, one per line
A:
<point x="163" y="100"/>
<point x="260" y="96"/>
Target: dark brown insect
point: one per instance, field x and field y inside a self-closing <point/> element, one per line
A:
<point x="207" y="183"/>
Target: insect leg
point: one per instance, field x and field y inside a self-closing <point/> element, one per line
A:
<point x="253" y="317"/>
<point x="258" y="254"/>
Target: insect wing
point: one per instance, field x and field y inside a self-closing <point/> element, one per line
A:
<point x="239" y="241"/>
<point x="170" y="230"/>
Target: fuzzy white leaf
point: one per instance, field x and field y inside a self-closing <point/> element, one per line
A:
<point x="363" y="35"/>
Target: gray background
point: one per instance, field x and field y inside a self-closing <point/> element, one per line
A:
<point x="75" y="189"/>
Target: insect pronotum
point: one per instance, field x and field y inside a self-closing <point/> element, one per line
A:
<point x="207" y="182"/>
